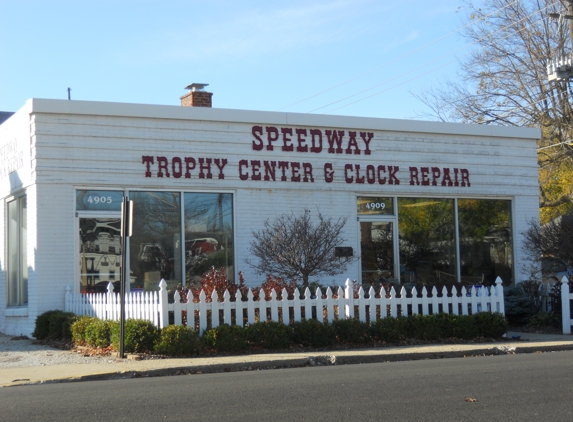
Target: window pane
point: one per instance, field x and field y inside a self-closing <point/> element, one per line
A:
<point x="485" y="240"/>
<point x="99" y="200"/>
<point x="426" y="239"/>
<point x="208" y="234"/>
<point x="17" y="289"/>
<point x="155" y="246"/>
<point x="100" y="254"/>
<point x="23" y="282"/>
<point x="13" y="262"/>
<point x="377" y="253"/>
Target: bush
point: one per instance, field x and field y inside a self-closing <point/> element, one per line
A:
<point x="390" y="330"/>
<point x="269" y="335"/>
<point x="489" y="324"/>
<point x="139" y="336"/>
<point x="54" y="325"/>
<point x="97" y="332"/>
<point x="518" y="306"/>
<point x="226" y="338"/>
<point x="313" y="333"/>
<point x="175" y="340"/>
<point x="546" y="319"/>
<point x="78" y="329"/>
<point x="351" y="331"/>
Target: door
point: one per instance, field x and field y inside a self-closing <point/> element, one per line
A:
<point x="100" y="253"/>
<point x="377" y="252"/>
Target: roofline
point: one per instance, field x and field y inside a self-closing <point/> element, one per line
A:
<point x="98" y="108"/>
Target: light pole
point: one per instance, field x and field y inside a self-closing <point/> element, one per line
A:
<point x="562" y="69"/>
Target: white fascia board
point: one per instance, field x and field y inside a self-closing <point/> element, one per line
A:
<point x="38" y="105"/>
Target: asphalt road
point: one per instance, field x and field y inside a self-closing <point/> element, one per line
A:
<point x="529" y="387"/>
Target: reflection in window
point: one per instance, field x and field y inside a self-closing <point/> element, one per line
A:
<point x="208" y="234"/>
<point x="17" y="276"/>
<point x="426" y="240"/>
<point x="377" y="253"/>
<point x="155" y="246"/>
<point x="98" y="238"/>
<point x="485" y="240"/>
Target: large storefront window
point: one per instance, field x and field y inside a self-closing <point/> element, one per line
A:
<point x="427" y="240"/>
<point x="208" y="234"/>
<point x="16" y="250"/>
<point x="428" y="250"/>
<point x="485" y="240"/>
<point x="155" y="245"/>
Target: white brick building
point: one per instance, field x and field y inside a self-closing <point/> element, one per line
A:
<point x="426" y="202"/>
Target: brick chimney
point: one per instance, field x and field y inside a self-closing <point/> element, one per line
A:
<point x="197" y="96"/>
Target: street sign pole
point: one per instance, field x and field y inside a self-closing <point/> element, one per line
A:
<point x="126" y="229"/>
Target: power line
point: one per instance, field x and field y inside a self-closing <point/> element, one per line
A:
<point x="396" y="59"/>
<point x="423" y="74"/>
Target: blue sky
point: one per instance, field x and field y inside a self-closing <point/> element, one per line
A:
<point x="321" y="56"/>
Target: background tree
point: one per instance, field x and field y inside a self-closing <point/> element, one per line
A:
<point x="504" y="81"/>
<point x="293" y="246"/>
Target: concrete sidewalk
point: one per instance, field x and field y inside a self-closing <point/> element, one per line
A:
<point x="527" y="343"/>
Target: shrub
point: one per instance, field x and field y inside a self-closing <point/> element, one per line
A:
<point x="546" y="319"/>
<point x="269" y="335"/>
<point x="60" y="325"/>
<point x="226" y="338"/>
<point x="390" y="330"/>
<point x="518" y="306"/>
<point x="351" y="331"/>
<point x="313" y="333"/>
<point x="489" y="324"/>
<point x="54" y="325"/>
<point x="424" y="327"/>
<point x="177" y="340"/>
<point x="139" y="336"/>
<point x="97" y="332"/>
<point x="78" y="329"/>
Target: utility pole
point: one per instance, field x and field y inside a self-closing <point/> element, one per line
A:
<point x="562" y="69"/>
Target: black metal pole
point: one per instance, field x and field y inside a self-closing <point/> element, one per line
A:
<point x="123" y="278"/>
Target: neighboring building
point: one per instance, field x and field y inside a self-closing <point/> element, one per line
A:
<point x="426" y="202"/>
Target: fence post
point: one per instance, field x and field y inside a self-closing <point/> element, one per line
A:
<point x="349" y="296"/>
<point x="499" y="294"/>
<point x="109" y="305"/>
<point x="163" y="304"/>
<point x="68" y="299"/>
<point x="565" y="306"/>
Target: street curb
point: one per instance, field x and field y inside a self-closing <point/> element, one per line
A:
<point x="307" y="361"/>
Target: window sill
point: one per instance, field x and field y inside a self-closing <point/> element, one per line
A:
<point x="16" y="312"/>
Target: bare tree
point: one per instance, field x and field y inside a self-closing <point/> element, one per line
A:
<point x="504" y="80"/>
<point x="550" y="240"/>
<point x="293" y="246"/>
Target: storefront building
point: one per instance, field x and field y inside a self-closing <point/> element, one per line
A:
<point x="426" y="202"/>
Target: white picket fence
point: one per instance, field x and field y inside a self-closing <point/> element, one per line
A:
<point x="154" y="306"/>
<point x="566" y="306"/>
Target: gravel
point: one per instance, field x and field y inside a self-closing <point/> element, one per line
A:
<point x="23" y="352"/>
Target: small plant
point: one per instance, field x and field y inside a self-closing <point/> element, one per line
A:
<point x="54" y="325"/>
<point x="227" y="338"/>
<point x="177" y="340"/>
<point x="490" y="324"/>
<point x="79" y="329"/>
<point x="139" y="336"/>
<point x="97" y="332"/>
<point x="351" y="331"/>
<point x="390" y="330"/>
<point x="269" y="335"/>
<point x="313" y="333"/>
